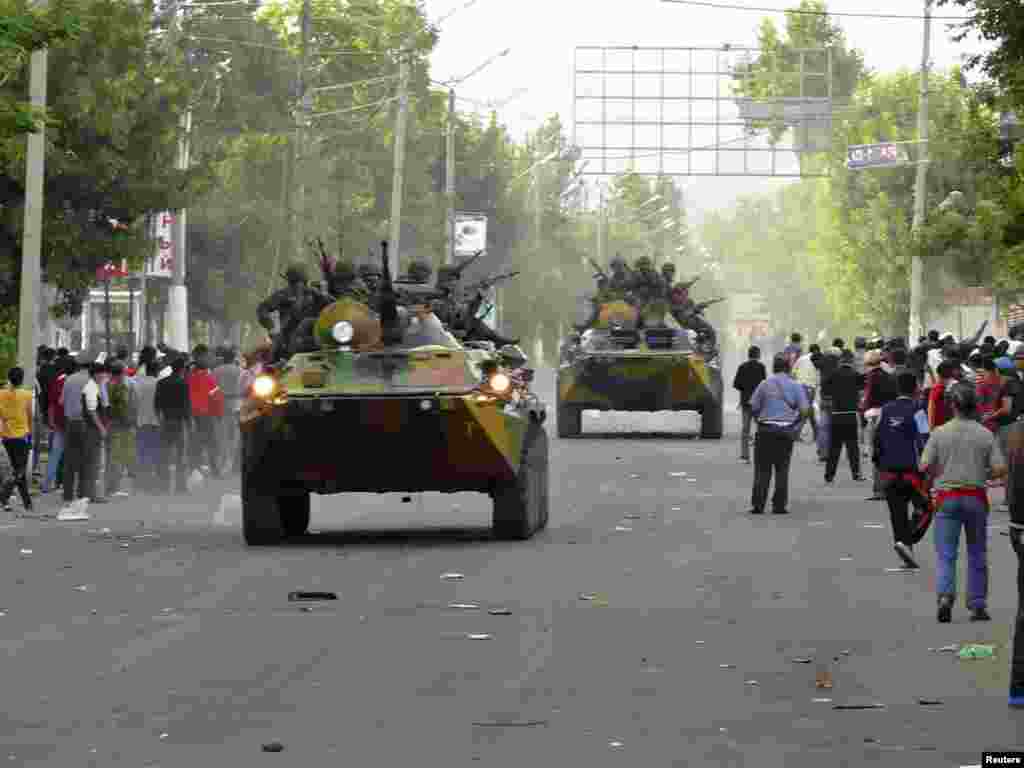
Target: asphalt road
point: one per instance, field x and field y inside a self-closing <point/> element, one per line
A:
<point x="150" y="636"/>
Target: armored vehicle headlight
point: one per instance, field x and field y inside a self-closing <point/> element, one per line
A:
<point x="264" y="386"/>
<point x="499" y="382"/>
<point x="342" y="332"/>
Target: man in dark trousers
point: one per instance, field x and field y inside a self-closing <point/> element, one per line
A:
<point x="174" y="407"/>
<point x="826" y="364"/>
<point x="1015" y="499"/>
<point x="748" y="376"/>
<point x="899" y="440"/>
<point x="780" y="406"/>
<point x="879" y="389"/>
<point x="842" y="388"/>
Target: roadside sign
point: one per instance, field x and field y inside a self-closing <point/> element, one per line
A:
<point x="887" y="155"/>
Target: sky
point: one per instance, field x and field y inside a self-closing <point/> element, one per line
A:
<point x="537" y="73"/>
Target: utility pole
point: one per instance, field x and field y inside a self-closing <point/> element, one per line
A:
<point x="177" y="294"/>
<point x="920" y="185"/>
<point x="32" y="240"/>
<point x="449" y="182"/>
<point x="301" y="120"/>
<point x="399" y="170"/>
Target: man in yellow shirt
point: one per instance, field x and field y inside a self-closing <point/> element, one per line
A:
<point x="16" y="430"/>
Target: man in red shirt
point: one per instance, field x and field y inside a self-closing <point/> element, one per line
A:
<point x="207" y="410"/>
<point x="988" y="391"/>
<point x="939" y="411"/>
<point x="55" y="418"/>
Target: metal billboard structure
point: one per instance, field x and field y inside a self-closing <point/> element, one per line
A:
<point x="678" y="112"/>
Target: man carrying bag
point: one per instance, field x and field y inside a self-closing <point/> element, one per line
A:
<point x="780" y="406"/>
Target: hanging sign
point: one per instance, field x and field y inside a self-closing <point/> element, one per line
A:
<point x="470" y="233"/>
<point x="110" y="270"/>
<point x="887" y="155"/>
<point x="161" y="264"/>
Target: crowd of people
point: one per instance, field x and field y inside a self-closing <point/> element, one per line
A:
<point x="937" y="424"/>
<point x="104" y="422"/>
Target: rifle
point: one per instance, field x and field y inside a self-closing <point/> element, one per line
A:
<point x="705" y="304"/>
<point x="388" y="306"/>
<point x="458" y="270"/>
<point x="600" y="272"/>
<point x="483" y="285"/>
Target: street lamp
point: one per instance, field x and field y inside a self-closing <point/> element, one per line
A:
<point x="449" y="182"/>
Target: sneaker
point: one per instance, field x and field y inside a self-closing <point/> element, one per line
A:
<point x="755" y="512"/>
<point x="858" y="478"/>
<point x="8" y="508"/>
<point x="122" y="494"/>
<point x="745" y="459"/>
<point x="876" y="497"/>
<point x="780" y="511"/>
<point x="906" y="555"/>
<point x="829" y="480"/>
<point x="99" y="500"/>
<point x="980" y="614"/>
<point x="71" y="515"/>
<point x="945" y="614"/>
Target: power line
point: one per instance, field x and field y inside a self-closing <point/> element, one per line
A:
<point x="808" y="12"/>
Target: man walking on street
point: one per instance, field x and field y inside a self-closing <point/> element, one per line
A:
<point x="780" y="406"/>
<point x="16" y="426"/>
<point x="842" y="389"/>
<point x="961" y="457"/>
<point x="175" y="411"/>
<point x="879" y="389"/>
<point x="85" y="435"/>
<point x="229" y="378"/>
<point x="806" y="374"/>
<point x="827" y="364"/>
<point x="899" y="440"/>
<point x="748" y="376"/>
<point x="148" y="444"/>
<point x="207" y="412"/>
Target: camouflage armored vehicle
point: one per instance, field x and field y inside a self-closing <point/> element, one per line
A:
<point x="392" y="402"/>
<point x="630" y="358"/>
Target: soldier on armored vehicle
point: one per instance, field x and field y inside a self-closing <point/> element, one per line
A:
<point x="293" y="304"/>
<point x="647" y="285"/>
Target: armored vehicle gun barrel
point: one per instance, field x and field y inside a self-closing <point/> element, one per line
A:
<point x="597" y="268"/>
<point x="705" y="304"/>
<point x="391" y="330"/>
<point x="487" y="282"/>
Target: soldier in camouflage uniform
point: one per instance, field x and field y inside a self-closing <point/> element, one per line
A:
<point x="420" y="272"/>
<point x="371" y="276"/>
<point x="621" y="279"/>
<point x="668" y="274"/>
<point x="345" y="283"/>
<point x="293" y="304"/>
<point x="647" y="284"/>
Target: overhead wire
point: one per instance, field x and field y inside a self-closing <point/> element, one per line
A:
<point x="812" y="12"/>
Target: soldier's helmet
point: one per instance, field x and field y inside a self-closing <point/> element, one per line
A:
<point x="617" y="261"/>
<point x="420" y="271"/>
<point x="296" y="273"/>
<point x="644" y="263"/>
<point x="344" y="272"/>
<point x="668" y="268"/>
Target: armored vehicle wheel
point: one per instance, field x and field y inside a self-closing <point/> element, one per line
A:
<point x="711" y="421"/>
<point x="261" y="519"/>
<point x="520" y="508"/>
<point x="570" y="419"/>
<point x="295" y="514"/>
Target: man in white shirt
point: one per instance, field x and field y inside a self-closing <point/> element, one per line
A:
<point x="806" y="374"/>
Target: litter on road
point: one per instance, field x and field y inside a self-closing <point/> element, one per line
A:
<point x="295" y="597"/>
<point x="500" y="612"/>
<point x="977" y="651"/>
<point x="872" y="525"/>
<point x="273" y="746"/>
<point x="946" y="649"/>
<point x="727" y="666"/>
<point x="463" y="606"/>
<point x="821" y="701"/>
<point x="851" y="707"/>
<point x="452" y="576"/>
<point x="615" y="744"/>
<point x="623" y="529"/>
<point x="698" y="642"/>
<point x="512" y="724"/>
<point x="930" y="702"/>
<point x="677" y="474"/>
<point x="802" y="660"/>
<point x="85" y="588"/>
<point x="26" y="552"/>
<point x="901" y="570"/>
<point x="751" y="682"/>
<point x="479" y="636"/>
<point x="631" y="516"/>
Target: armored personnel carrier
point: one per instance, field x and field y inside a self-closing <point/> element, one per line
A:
<point x="631" y="358"/>
<point x="392" y="402"/>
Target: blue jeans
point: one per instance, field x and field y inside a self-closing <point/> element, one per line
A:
<point x="972" y="514"/>
<point x="53" y="460"/>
